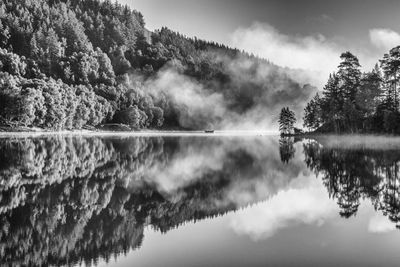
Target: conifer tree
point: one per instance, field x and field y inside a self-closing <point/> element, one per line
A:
<point x="390" y="65"/>
<point x="286" y="121"/>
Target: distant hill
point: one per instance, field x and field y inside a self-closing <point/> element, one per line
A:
<point x="68" y="64"/>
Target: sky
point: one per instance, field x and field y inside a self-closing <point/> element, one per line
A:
<point x="305" y="34"/>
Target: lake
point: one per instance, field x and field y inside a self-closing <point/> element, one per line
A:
<point x="204" y="200"/>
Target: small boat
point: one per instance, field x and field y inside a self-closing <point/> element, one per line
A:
<point x="209" y="131"/>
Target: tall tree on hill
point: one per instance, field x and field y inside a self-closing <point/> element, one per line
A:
<point x="390" y="65"/>
<point x="368" y="97"/>
<point x="286" y="121"/>
<point x="312" y="113"/>
<point x="349" y="76"/>
<point x="332" y="104"/>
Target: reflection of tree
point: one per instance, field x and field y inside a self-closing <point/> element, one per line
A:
<point x="286" y="148"/>
<point x="351" y="174"/>
<point x="62" y="199"/>
<point x="389" y="198"/>
<point x="74" y="199"/>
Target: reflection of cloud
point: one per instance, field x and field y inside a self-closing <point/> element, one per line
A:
<point x="267" y="177"/>
<point x="305" y="202"/>
<point x="252" y="166"/>
<point x="194" y="160"/>
<point x="380" y="224"/>
<point x="384" y="38"/>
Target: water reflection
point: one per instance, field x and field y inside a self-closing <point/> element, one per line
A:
<point x="355" y="169"/>
<point x="65" y="200"/>
<point x="286" y="148"/>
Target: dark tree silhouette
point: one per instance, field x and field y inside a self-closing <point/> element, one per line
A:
<point x="355" y="102"/>
<point x="286" y="121"/>
<point x="355" y="173"/>
<point x="286" y="149"/>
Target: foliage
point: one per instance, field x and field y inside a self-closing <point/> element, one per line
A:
<point x="102" y="50"/>
<point x="355" y="173"/>
<point x="358" y="102"/>
<point x="286" y="121"/>
<point x="286" y="149"/>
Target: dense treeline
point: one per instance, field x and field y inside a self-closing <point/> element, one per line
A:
<point x="86" y="63"/>
<point x="61" y="64"/>
<point x="352" y="101"/>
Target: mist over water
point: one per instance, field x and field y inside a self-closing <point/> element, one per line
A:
<point x="90" y="198"/>
<point x="251" y="100"/>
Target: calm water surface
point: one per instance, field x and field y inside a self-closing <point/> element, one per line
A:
<point x="200" y="201"/>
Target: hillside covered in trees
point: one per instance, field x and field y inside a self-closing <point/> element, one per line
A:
<point x="356" y="102"/>
<point x="69" y="64"/>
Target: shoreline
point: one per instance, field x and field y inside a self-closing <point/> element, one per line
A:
<point x="38" y="133"/>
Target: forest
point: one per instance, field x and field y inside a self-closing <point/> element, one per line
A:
<point x="71" y="64"/>
<point x="356" y="102"/>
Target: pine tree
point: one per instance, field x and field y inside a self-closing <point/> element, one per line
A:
<point x="286" y="121"/>
<point x="369" y="95"/>
<point x="332" y="103"/>
<point x="312" y="113"/>
<point x="349" y="75"/>
<point x="390" y="65"/>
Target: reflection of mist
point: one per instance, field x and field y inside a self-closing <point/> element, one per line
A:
<point x="251" y="166"/>
<point x="353" y="168"/>
<point x="81" y="198"/>
<point x="380" y="224"/>
<point x="85" y="197"/>
<point x="307" y="204"/>
<point x="359" y="142"/>
<point x="194" y="159"/>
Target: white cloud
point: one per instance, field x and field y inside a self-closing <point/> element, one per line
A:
<point x="380" y="224"/>
<point x="384" y="38"/>
<point x="314" y="54"/>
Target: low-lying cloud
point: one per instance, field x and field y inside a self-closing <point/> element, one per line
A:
<point x="314" y="54"/>
<point x="254" y="91"/>
<point x="198" y="107"/>
<point x="384" y="39"/>
<point x="251" y="100"/>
